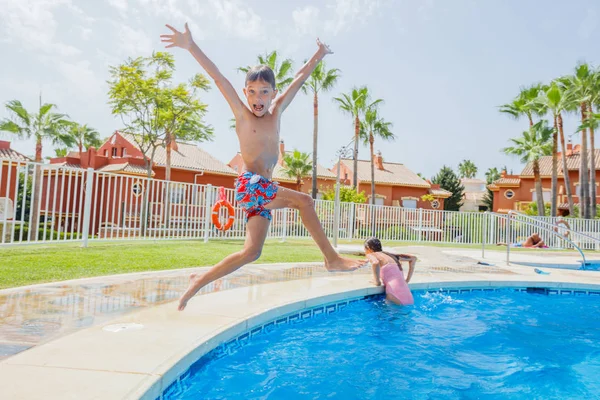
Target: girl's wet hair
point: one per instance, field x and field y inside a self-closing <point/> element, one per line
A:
<point x="373" y="244"/>
<point x="261" y="73"/>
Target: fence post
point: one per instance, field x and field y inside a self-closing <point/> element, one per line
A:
<point x="508" y="238"/>
<point x="284" y="229"/>
<point x="483" y="232"/>
<point x="352" y="215"/>
<point x="207" y="211"/>
<point x="420" y="225"/>
<point x="87" y="206"/>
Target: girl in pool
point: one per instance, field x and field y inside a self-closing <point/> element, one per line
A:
<point x="387" y="269"/>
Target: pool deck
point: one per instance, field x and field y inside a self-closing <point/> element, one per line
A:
<point x="145" y="344"/>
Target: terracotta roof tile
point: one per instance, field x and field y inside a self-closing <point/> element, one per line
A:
<point x="188" y="156"/>
<point x="126" y="168"/>
<point x="13" y="155"/>
<point x="440" y="193"/>
<point x="393" y="174"/>
<point x="507" y="182"/>
<point x="573" y="163"/>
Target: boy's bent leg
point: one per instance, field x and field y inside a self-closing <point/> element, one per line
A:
<point x="304" y="203"/>
<point x="256" y="232"/>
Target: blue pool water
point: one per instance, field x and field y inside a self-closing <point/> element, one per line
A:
<point x="495" y="345"/>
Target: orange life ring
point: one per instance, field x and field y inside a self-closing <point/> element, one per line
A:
<point x="215" y="215"/>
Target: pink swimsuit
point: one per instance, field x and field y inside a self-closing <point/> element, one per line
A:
<point x="395" y="284"/>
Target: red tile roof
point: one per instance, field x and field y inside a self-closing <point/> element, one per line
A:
<point x="394" y="174"/>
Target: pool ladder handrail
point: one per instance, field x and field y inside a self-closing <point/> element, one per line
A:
<point x="535" y="225"/>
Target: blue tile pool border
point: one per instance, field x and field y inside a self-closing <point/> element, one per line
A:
<point x="178" y="386"/>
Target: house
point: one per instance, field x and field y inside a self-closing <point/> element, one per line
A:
<point x="117" y="200"/>
<point x="474" y="195"/>
<point x="395" y="184"/>
<point x="516" y="192"/>
<point x="11" y="164"/>
<point x="325" y="178"/>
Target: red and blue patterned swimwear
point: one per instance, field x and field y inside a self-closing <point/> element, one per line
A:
<point x="253" y="192"/>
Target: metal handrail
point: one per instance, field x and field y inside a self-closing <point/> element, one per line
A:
<point x="522" y="215"/>
<point x="535" y="225"/>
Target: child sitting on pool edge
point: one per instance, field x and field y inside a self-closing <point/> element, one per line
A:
<point x="387" y="269"/>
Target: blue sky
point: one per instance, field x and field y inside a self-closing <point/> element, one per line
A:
<point x="442" y="67"/>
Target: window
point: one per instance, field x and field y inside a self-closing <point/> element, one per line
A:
<point x="578" y="190"/>
<point x="509" y="194"/>
<point x="409" y="203"/>
<point x="123" y="152"/>
<point x="114" y="152"/>
<point x="346" y="176"/>
<point x="379" y="201"/>
<point x="547" y="196"/>
<point x="235" y="168"/>
<point x="106" y="153"/>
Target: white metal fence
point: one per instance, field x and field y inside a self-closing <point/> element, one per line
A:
<point x="41" y="203"/>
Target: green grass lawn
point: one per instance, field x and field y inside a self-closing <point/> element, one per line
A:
<point x="26" y="265"/>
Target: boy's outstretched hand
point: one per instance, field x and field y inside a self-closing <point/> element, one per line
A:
<point x="324" y="48"/>
<point x="178" y="39"/>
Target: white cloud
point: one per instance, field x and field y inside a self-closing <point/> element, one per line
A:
<point x="134" y="42"/>
<point x="31" y="24"/>
<point x="346" y="12"/>
<point x="306" y="19"/>
<point x="85" y="33"/>
<point x="81" y="79"/>
<point x="120" y="5"/>
<point x="238" y="19"/>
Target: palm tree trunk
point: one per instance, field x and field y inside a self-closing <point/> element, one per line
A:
<point x="298" y="183"/>
<point x="565" y="167"/>
<point x="592" y="169"/>
<point x="371" y="141"/>
<point x="554" y="168"/>
<point x="315" y="136"/>
<point x="168" y="139"/>
<point x="584" y="198"/>
<point x="539" y="194"/>
<point x="80" y="145"/>
<point x="356" y="134"/>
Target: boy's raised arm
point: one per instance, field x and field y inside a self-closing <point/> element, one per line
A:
<point x="185" y="41"/>
<point x="302" y="75"/>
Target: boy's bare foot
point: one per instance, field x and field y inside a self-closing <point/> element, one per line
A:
<point x="189" y="293"/>
<point x="343" y="264"/>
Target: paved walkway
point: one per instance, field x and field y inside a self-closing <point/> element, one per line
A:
<point x="33" y="315"/>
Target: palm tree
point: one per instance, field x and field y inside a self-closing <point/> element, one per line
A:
<point x="375" y="127"/>
<point x="532" y="145"/>
<point x="467" y="169"/>
<point x="524" y="104"/>
<point x="581" y="86"/>
<point x="43" y="125"/>
<point x="321" y="79"/>
<point x="84" y="136"/>
<point x="491" y="175"/>
<point x="555" y="99"/>
<point x="297" y="165"/>
<point x="282" y="69"/>
<point x="356" y="104"/>
<point x="593" y="101"/>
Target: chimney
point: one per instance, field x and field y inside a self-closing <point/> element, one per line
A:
<point x="503" y="174"/>
<point x="90" y="159"/>
<point x="4" y="144"/>
<point x="569" y="148"/>
<point x="281" y="153"/>
<point x="378" y="161"/>
<point x="577" y="149"/>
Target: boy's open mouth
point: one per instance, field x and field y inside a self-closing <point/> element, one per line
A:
<point x="258" y="107"/>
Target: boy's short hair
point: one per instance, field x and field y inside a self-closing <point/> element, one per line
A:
<point x="261" y="73"/>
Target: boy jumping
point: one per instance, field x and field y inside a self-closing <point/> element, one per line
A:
<point x="257" y="127"/>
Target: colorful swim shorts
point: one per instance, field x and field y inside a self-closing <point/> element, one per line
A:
<point x="253" y="192"/>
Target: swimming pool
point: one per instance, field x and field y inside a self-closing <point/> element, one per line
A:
<point x="500" y="344"/>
